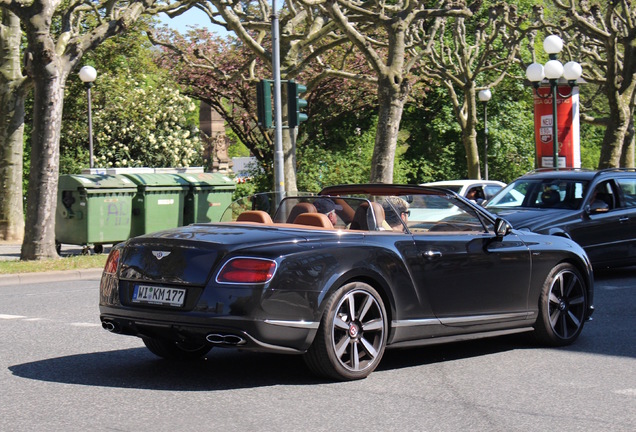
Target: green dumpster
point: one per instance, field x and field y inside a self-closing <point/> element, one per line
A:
<point x="210" y="194"/>
<point x="159" y="202"/>
<point x="93" y="209"/>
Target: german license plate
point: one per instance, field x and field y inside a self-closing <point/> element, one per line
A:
<point x="158" y="295"/>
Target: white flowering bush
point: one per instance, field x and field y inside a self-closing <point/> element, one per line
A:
<point x="137" y="122"/>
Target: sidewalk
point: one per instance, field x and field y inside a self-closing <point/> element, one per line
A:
<point x="11" y="251"/>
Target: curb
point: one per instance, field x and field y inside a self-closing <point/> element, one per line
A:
<point x="53" y="276"/>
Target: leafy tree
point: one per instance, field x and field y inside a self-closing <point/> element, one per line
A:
<point x="605" y="35"/>
<point x="222" y="72"/>
<point x="434" y="142"/>
<point x="473" y="54"/>
<point x="388" y="35"/>
<point x="58" y="35"/>
<point x="304" y="37"/>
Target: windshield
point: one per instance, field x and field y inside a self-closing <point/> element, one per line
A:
<point x="541" y="193"/>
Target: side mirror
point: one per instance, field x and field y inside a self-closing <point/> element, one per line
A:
<point x="502" y="228"/>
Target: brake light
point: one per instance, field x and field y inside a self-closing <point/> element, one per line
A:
<point x="247" y="270"/>
<point x="112" y="262"/>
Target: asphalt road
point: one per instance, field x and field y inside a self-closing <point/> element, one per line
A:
<point x="59" y="371"/>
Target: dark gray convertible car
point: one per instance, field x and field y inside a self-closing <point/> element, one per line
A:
<point x="342" y="276"/>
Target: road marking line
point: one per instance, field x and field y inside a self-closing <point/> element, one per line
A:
<point x="84" y="324"/>
<point x="8" y="317"/>
<point x="626" y="392"/>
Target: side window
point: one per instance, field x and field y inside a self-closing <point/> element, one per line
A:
<point x="491" y="191"/>
<point x="602" y="198"/>
<point x="628" y="188"/>
<point x="441" y="214"/>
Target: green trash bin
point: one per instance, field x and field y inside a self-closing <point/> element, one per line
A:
<point x="210" y="194"/>
<point x="93" y="209"/>
<point x="159" y="202"/>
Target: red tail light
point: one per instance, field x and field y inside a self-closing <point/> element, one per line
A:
<point x="247" y="270"/>
<point x="112" y="262"/>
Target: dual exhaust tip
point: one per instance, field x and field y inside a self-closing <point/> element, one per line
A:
<point x="218" y="339"/>
<point x="214" y="338"/>
<point x="110" y="326"/>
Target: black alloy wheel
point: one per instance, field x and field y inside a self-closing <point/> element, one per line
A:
<point x="352" y="334"/>
<point x="562" y="306"/>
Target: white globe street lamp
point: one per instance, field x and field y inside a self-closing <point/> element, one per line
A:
<point x="553" y="71"/>
<point x="484" y="96"/>
<point x="88" y="74"/>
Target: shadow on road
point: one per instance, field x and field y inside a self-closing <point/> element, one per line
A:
<point x="225" y="369"/>
<point x="609" y="334"/>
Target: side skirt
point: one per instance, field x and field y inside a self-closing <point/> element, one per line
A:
<point x="457" y="338"/>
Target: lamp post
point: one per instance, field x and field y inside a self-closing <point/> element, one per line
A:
<point x="484" y="96"/>
<point x="88" y="74"/>
<point x="553" y="70"/>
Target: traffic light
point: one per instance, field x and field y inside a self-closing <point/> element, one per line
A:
<point x="295" y="104"/>
<point x="264" y="103"/>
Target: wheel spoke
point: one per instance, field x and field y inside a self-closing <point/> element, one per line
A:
<point x="352" y="306"/>
<point x="554" y="317"/>
<point x="574" y="319"/>
<point x="564" y="325"/>
<point x="553" y="298"/>
<point x="369" y="348"/>
<point x="342" y="345"/>
<point x="577" y="300"/>
<point x="558" y="284"/>
<point x="365" y="308"/>
<point x="375" y="324"/>
<point x="355" y="359"/>
<point x="340" y="323"/>
<point x="573" y="282"/>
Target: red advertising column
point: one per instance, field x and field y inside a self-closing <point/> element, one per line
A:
<point x="568" y="128"/>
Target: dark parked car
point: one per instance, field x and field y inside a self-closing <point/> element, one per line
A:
<point x="597" y="209"/>
<point x="341" y="276"/>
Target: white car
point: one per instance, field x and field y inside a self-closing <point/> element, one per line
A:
<point x="476" y="190"/>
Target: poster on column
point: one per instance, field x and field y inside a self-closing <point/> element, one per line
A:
<point x="568" y="122"/>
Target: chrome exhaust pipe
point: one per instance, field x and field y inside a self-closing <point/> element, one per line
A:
<point x="216" y="338"/>
<point x="110" y="326"/>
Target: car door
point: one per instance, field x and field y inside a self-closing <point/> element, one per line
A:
<point x="627" y="193"/>
<point x="471" y="277"/>
<point x="604" y="231"/>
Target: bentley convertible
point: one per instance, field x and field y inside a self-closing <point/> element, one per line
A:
<point x="341" y="276"/>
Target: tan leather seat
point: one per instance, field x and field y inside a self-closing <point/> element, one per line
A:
<point x="313" y="219"/>
<point x="300" y="208"/>
<point x="258" y="216"/>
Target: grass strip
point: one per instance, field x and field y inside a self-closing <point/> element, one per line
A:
<point x="75" y="262"/>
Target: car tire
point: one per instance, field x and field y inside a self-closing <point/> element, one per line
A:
<point x="562" y="306"/>
<point x="352" y="335"/>
<point x="172" y="350"/>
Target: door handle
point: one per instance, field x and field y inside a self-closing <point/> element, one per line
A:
<point x="431" y="254"/>
<point x="623" y="219"/>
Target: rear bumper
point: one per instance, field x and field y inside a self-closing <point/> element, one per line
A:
<point x="291" y="337"/>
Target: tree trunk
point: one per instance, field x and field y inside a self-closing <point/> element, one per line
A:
<point x="617" y="130"/>
<point x="629" y="146"/>
<point x="39" y="238"/>
<point x="12" y="95"/>
<point x="289" y="156"/>
<point x="391" y="100"/>
<point x="469" y="133"/>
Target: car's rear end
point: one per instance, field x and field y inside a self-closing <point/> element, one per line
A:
<point x="207" y="286"/>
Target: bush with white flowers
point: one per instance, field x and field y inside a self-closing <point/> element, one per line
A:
<point x="141" y="123"/>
